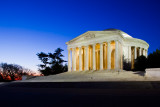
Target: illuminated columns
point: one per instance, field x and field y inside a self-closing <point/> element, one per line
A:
<point x="109" y="56"/>
<point x="86" y="59"/>
<point x="146" y="53"/>
<point x="140" y="51"/>
<point x="105" y="57"/>
<point x="101" y="56"/>
<point x="69" y="60"/>
<point x="143" y="52"/>
<point x="135" y="52"/>
<point x="74" y="59"/>
<point x="121" y="56"/>
<point x="129" y="54"/>
<point x="116" y="55"/>
<point x="80" y="59"/>
<point x="94" y="60"/>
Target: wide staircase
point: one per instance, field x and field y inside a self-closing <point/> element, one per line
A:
<point x="89" y="76"/>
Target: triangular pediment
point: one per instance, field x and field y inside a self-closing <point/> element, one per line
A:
<point x="99" y="35"/>
<point x="84" y="36"/>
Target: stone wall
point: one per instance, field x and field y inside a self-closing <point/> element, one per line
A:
<point x="153" y="72"/>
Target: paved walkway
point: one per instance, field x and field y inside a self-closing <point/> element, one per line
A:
<point x="83" y="89"/>
<point x="87" y="85"/>
<point x="1" y="83"/>
<point x="80" y="94"/>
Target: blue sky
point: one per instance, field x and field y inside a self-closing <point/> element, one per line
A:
<point x="31" y="26"/>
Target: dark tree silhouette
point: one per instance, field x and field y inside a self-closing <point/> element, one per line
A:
<point x="44" y="59"/>
<point x="11" y="72"/>
<point x="52" y="62"/>
<point x="13" y="68"/>
<point x="154" y="59"/>
<point x="140" y="63"/>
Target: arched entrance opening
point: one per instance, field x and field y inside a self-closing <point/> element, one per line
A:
<point x="97" y="55"/>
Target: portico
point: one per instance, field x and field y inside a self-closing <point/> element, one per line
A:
<point x="103" y="50"/>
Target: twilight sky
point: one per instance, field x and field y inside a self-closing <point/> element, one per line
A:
<point x="31" y="26"/>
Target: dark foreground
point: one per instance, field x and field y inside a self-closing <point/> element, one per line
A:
<point x="80" y="94"/>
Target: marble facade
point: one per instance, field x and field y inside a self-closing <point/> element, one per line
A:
<point x="100" y="50"/>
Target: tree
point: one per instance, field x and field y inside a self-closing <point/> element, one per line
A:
<point x="44" y="59"/>
<point x="154" y="59"/>
<point x="11" y="68"/>
<point x="52" y="62"/>
<point x="141" y="63"/>
<point x="10" y="72"/>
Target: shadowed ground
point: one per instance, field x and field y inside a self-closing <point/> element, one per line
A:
<point x="80" y="94"/>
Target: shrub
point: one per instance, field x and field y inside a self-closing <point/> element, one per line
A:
<point x="153" y="60"/>
<point x="140" y="63"/>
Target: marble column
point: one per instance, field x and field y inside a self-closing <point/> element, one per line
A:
<point x="140" y="51"/>
<point x="135" y="52"/>
<point x="116" y="55"/>
<point x="90" y="58"/>
<point x="121" y="56"/>
<point x="129" y="54"/>
<point x="101" y="56"/>
<point x="94" y="60"/>
<point x="74" y="56"/>
<point x="86" y="59"/>
<point x="109" y="56"/>
<point x="144" y="52"/>
<point x="72" y="59"/>
<point x="80" y="59"/>
<point x="69" y="60"/>
<point x="105" y="57"/>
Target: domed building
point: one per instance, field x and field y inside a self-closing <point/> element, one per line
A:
<point x="104" y="50"/>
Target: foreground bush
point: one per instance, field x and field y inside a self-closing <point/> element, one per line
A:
<point x="10" y="77"/>
<point x="140" y="63"/>
<point x="153" y="60"/>
<point x="12" y="72"/>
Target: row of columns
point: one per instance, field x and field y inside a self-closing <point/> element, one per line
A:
<point x="142" y="51"/>
<point x="117" y="65"/>
<point x="133" y="54"/>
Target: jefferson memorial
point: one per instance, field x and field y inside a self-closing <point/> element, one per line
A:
<point x="104" y="50"/>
